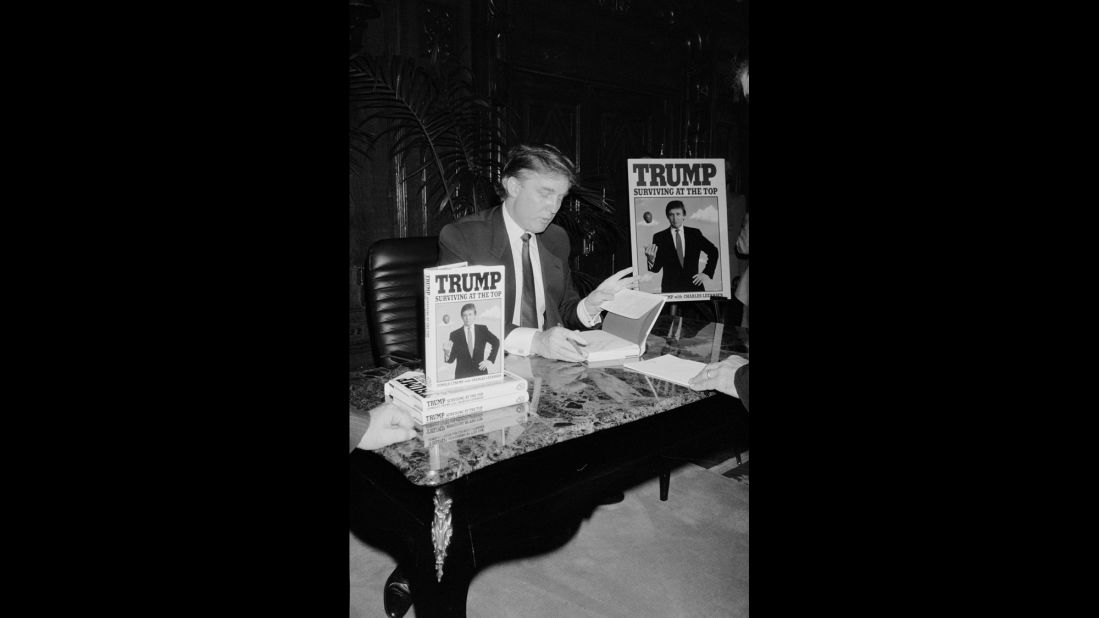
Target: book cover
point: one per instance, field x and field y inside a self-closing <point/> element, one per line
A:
<point x="679" y="228"/>
<point x="413" y="386"/>
<point x="463" y="326"/>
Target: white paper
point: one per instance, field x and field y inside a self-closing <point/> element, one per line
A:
<point x="668" y="367"/>
<point x="631" y="303"/>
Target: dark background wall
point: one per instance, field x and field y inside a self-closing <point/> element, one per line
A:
<point x="603" y="80"/>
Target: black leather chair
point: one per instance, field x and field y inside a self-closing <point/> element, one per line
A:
<point x="394" y="299"/>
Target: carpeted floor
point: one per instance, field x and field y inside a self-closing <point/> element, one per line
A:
<point x="641" y="557"/>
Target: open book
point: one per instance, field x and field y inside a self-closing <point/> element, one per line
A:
<point x="630" y="317"/>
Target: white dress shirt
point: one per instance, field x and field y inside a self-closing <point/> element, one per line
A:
<point x="521" y="338"/>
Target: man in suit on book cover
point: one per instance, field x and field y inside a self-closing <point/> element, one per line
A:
<point x="469" y="343"/>
<point x="677" y="250"/>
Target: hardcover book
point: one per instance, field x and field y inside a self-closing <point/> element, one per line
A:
<point x="679" y="230"/>
<point x="463" y="326"/>
<point x="410" y="389"/>
<point x="459" y="410"/>
<point x="627" y="324"/>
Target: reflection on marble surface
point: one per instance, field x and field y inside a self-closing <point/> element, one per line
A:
<point x="567" y="400"/>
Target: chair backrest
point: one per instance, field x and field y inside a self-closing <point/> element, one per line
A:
<point x="394" y="298"/>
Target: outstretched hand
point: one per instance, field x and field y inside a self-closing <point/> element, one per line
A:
<point x="389" y="424"/>
<point x="718" y="376"/>
<point x="606" y="290"/>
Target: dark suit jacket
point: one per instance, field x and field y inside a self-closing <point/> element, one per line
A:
<point x="482" y="239"/>
<point x="678" y="278"/>
<point x="740" y="382"/>
<point x="468" y="363"/>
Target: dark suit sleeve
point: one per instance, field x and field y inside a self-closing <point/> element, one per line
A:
<point x="557" y="241"/>
<point x="740" y="382"/>
<point x="452" y="245"/>
<point x="453" y="347"/>
<point x="494" y="342"/>
<point x="711" y="255"/>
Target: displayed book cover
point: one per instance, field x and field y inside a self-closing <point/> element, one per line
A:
<point x="473" y="424"/>
<point x="679" y="228"/>
<point x="463" y="326"/>
<point x="629" y="320"/>
<point x="410" y="389"/>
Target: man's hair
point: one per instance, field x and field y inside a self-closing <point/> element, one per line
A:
<point x="544" y="159"/>
<point x="672" y="205"/>
<point x="468" y="306"/>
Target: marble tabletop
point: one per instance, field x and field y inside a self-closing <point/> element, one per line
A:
<point x="567" y="400"/>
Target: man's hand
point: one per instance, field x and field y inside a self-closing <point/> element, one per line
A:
<point x="389" y="424"/>
<point x="558" y="343"/>
<point x="485" y="365"/>
<point x="718" y="376"/>
<point x="650" y="254"/>
<point x="700" y="279"/>
<point x="448" y="345"/>
<point x="606" y="290"/>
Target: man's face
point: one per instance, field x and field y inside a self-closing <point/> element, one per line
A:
<point x="676" y="216"/>
<point x="468" y="316"/>
<point x="534" y="198"/>
<point x="648" y="217"/>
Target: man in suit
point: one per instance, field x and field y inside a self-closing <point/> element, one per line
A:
<point x="475" y="337"/>
<point x="543" y="309"/>
<point x="677" y="250"/>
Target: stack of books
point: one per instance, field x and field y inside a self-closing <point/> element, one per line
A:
<point x="410" y="390"/>
<point x="464" y="376"/>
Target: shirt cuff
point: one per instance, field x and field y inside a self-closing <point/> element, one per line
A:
<point x="360" y="423"/>
<point x="520" y="341"/>
<point x="585" y="319"/>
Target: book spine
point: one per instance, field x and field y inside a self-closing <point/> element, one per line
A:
<point x="511" y="397"/>
<point x="433" y="416"/>
<point x="511" y="384"/>
<point x="430" y="361"/>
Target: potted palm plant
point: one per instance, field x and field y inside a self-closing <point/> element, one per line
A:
<point x="429" y="114"/>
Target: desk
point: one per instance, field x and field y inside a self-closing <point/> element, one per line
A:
<point x="448" y="510"/>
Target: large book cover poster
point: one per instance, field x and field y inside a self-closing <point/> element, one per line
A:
<point x="464" y="326"/>
<point x="679" y="228"/>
